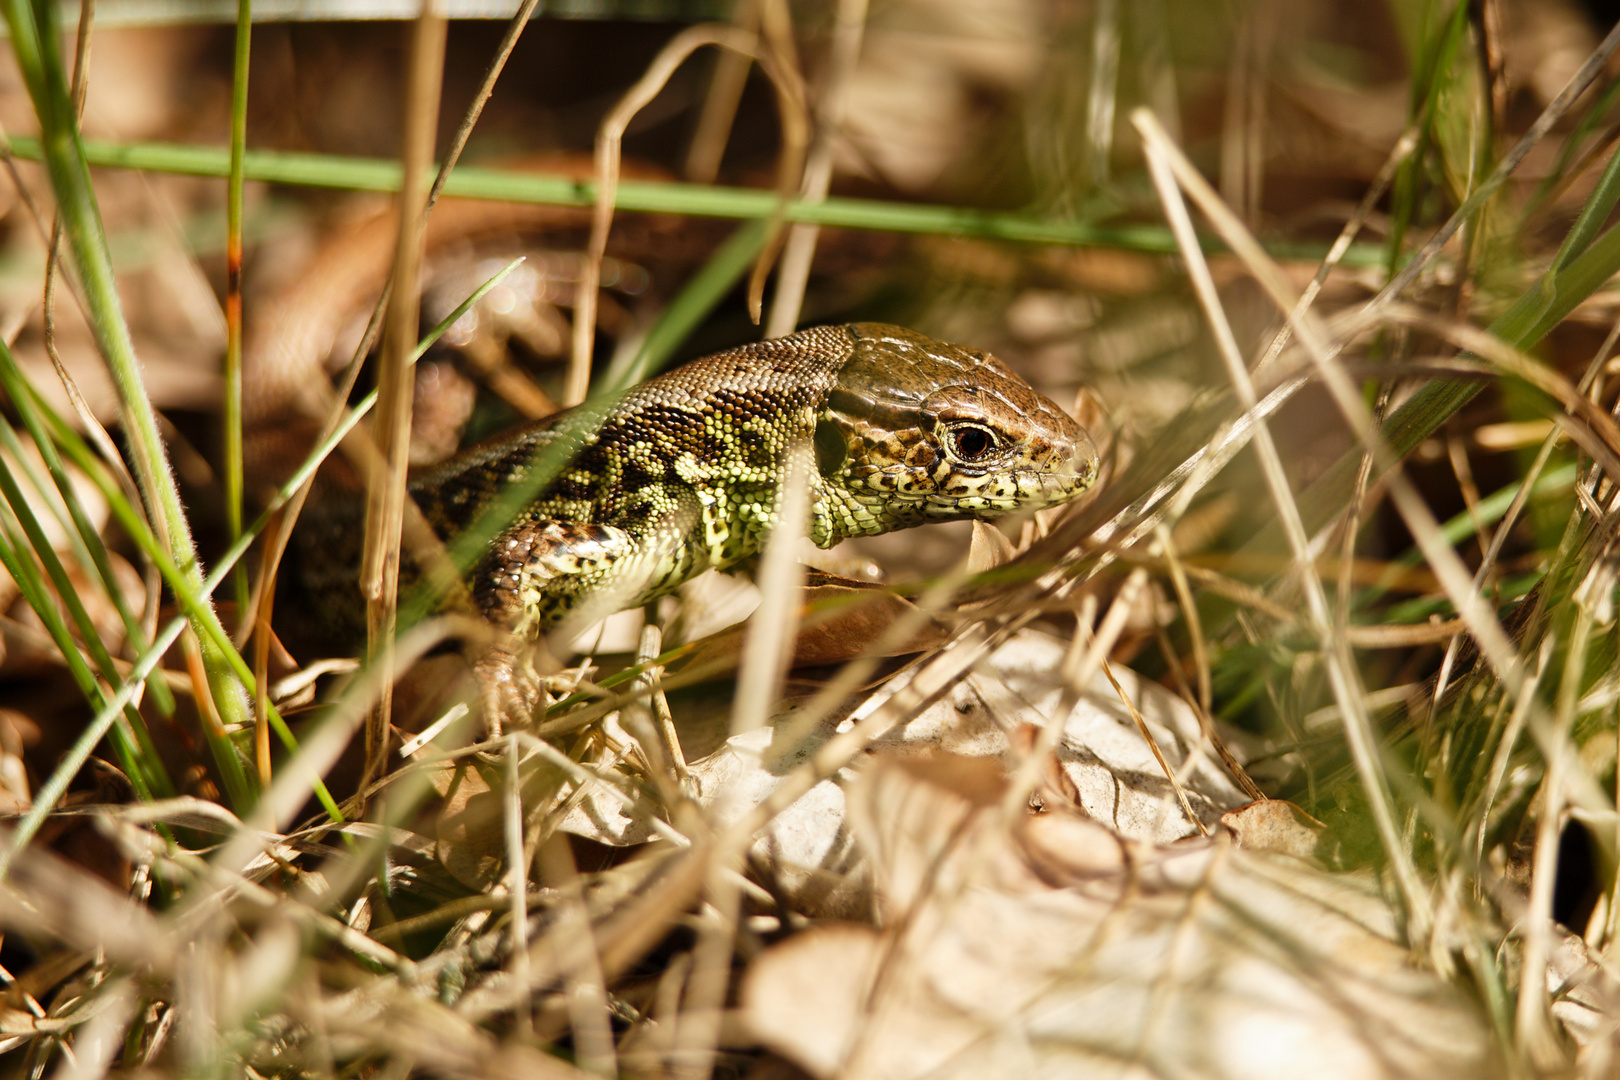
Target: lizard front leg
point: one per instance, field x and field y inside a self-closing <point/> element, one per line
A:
<point x="539" y="573"/>
<point x="534" y="574"/>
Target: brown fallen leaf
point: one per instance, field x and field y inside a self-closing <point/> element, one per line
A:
<point x="841" y="620"/>
<point x="471" y="834"/>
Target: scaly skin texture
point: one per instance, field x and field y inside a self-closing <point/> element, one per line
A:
<point x="683" y="473"/>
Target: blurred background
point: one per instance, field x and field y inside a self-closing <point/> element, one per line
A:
<point x="1015" y="105"/>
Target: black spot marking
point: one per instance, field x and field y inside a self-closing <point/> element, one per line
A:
<point x="569" y="488"/>
<point x="832" y="450"/>
<point x="637" y="476"/>
<point x="651" y="420"/>
<point x="755" y="451"/>
<point x="922" y="456"/>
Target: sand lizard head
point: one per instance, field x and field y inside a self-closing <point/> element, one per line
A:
<point x="918" y="430"/>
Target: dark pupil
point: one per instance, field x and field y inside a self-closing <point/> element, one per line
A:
<point x="972" y="443"/>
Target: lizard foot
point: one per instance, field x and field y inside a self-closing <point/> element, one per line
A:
<point x="510" y="690"/>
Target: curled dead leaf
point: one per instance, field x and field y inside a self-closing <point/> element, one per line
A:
<point x="1102" y="765"/>
<point x="471" y="842"/>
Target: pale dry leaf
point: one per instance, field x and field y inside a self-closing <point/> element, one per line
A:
<point x="1275" y="825"/>
<point x="1102" y="756"/>
<point x="18" y="732"/>
<point x="1586" y="1002"/>
<point x="990" y="548"/>
<point x="470" y="842"/>
<point x="1049" y="946"/>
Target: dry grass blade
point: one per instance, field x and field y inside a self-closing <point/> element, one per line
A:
<point x="720" y="102"/>
<point x="385" y="507"/>
<point x="332" y="405"/>
<point x="709" y="985"/>
<point x="1166" y="499"/>
<point x="1104" y="94"/>
<point x="1158" y="753"/>
<point x="1520" y="499"/>
<point x="1169" y="168"/>
<point x="1087" y="653"/>
<point x="771" y="630"/>
<point x="1596" y="431"/>
<point x="1482" y="623"/>
<point x="800" y="249"/>
<point x="795" y="137"/>
<point x="1555" y="110"/>
<point x="1398" y="155"/>
<point x="1533" y="1025"/>
<point x="99" y="1041"/>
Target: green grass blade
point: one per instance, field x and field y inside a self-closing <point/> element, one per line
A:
<point x="1593" y="214"/>
<point x="86" y="460"/>
<point x="1465" y="524"/>
<point x="371" y="174"/>
<point x="37" y="47"/>
<point x="1529" y="320"/>
<point x="233" y="290"/>
<point x="89" y="549"/>
<point x="26" y="574"/>
<point x="702" y="293"/>
<point x="137" y="755"/>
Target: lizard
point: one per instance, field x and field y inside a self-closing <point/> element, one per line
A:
<point x="683" y="473"/>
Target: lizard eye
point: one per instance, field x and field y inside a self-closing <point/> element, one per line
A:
<point x="972" y="443"/>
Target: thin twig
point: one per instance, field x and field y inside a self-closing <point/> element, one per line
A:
<point x="799" y="252"/>
<point x="1577" y="85"/>
<point x="726" y="87"/>
<point x="276" y="543"/>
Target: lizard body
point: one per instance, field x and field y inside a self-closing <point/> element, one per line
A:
<point x="683" y="472"/>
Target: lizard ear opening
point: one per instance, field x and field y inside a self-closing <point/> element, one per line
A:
<point x="831" y="449"/>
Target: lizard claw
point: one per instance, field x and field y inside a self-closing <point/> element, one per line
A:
<point x="510" y="691"/>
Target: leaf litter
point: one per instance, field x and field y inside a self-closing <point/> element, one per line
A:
<point x="1051" y="945"/>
